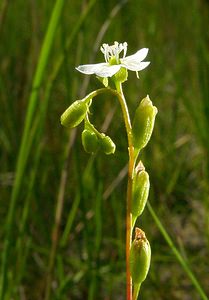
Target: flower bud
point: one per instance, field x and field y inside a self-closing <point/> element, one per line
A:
<point x="74" y="114"/>
<point x="143" y="123"/>
<point x="106" y="144"/>
<point x="89" y="141"/>
<point x="140" y="193"/>
<point x="140" y="257"/>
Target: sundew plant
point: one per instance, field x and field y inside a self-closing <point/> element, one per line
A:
<point x="113" y="73"/>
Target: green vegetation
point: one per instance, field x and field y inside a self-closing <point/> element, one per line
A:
<point x="62" y="210"/>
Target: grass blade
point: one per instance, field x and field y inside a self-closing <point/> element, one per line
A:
<point x="177" y="253"/>
<point x="24" y="149"/>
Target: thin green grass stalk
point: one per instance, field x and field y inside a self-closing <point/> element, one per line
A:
<point x="81" y="176"/>
<point x="58" y="215"/>
<point x="20" y="244"/>
<point x="70" y="220"/>
<point x="203" y="74"/>
<point x="36" y="129"/>
<point x="5" y="133"/>
<point x="118" y="216"/>
<point x="13" y="289"/>
<point x="60" y="197"/>
<point x="23" y="262"/>
<point x="3" y="8"/>
<point x="60" y="267"/>
<point x="63" y="280"/>
<point x="24" y="150"/>
<point x="59" y="61"/>
<point x="63" y="286"/>
<point x="98" y="220"/>
<point x="92" y="294"/>
<point x="177" y="254"/>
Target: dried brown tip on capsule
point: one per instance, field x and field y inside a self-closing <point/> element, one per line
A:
<point x="140" y="257"/>
<point x="140" y="167"/>
<point x="139" y="234"/>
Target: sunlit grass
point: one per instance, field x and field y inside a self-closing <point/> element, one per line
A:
<point x="89" y="260"/>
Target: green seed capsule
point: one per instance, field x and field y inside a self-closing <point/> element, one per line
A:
<point x="143" y="123"/>
<point x="89" y="141"/>
<point x="74" y="114"/>
<point x="106" y="144"/>
<point x="140" y="257"/>
<point x="140" y="194"/>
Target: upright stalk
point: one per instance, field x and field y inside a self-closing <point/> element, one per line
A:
<point x="129" y="188"/>
<point x="138" y="253"/>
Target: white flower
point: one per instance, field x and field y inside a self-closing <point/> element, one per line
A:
<point x="114" y="62"/>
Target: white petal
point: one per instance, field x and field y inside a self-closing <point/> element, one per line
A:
<point x="101" y="70"/>
<point x="107" y="70"/>
<point x="134" y="62"/>
<point x="144" y="64"/>
<point x="89" y="69"/>
<point x="137" y="57"/>
<point x="136" y="66"/>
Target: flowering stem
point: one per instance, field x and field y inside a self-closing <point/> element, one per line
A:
<point x="132" y="158"/>
<point x="96" y="93"/>
<point x="129" y="187"/>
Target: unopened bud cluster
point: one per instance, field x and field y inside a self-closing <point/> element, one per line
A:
<point x="92" y="140"/>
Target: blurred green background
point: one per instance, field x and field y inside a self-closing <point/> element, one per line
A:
<point x="62" y="211"/>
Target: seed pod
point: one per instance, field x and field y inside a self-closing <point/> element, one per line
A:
<point x="143" y="123"/>
<point x="140" y="193"/>
<point x="106" y="144"/>
<point x="89" y="141"/>
<point x="140" y="257"/>
<point x="74" y="114"/>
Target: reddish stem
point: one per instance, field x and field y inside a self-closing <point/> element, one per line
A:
<point x="129" y="188"/>
<point x="128" y="242"/>
<point x="129" y="225"/>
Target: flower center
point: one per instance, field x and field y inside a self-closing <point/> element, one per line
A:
<point x="111" y="53"/>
